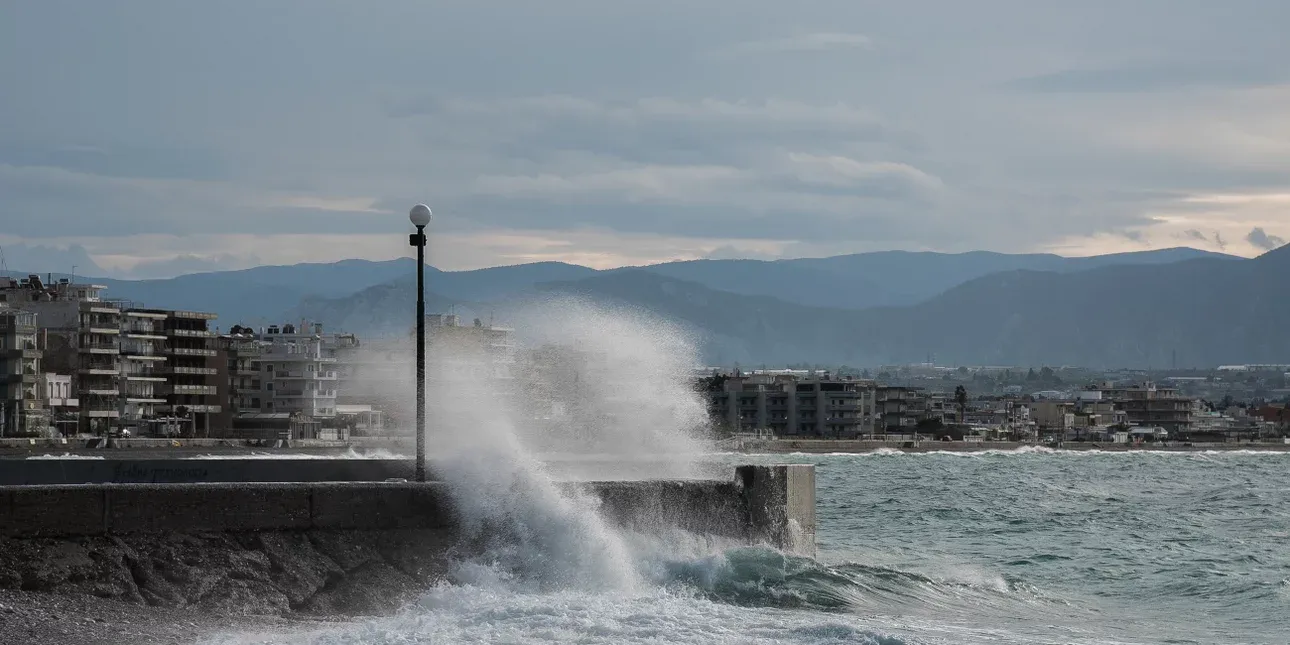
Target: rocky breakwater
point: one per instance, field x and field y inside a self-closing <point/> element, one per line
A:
<point x="321" y="572"/>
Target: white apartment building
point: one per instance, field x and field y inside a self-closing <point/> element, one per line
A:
<point x="143" y="362"/>
<point x="298" y="372"/>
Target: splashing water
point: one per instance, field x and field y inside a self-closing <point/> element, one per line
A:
<point x="599" y="383"/>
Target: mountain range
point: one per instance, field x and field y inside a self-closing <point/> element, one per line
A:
<point x="1135" y="309"/>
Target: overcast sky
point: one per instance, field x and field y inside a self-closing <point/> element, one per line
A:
<point x="172" y="136"/>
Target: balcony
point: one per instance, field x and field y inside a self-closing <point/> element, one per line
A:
<point x="100" y="348"/>
<point x="304" y="394"/>
<point x="188" y="351"/>
<point x="190" y="333"/>
<point x="307" y="375"/>
<point x="196" y="390"/>
<point x="194" y="371"/>
<point x="24" y="352"/>
<point x="20" y="328"/>
<point x="143" y="334"/>
<point x="143" y="398"/>
<point x="99" y="370"/>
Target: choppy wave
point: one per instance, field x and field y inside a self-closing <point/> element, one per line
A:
<point x="1021" y="451"/>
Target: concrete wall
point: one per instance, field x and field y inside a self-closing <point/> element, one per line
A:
<point x="768" y="504"/>
<point x="32" y="472"/>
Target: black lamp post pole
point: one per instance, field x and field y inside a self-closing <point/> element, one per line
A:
<point x="419" y="241"/>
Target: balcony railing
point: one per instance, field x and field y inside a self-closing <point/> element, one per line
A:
<point x="295" y="374"/>
<point x="189" y="351"/>
<point x="203" y="390"/>
<point x="191" y="333"/>
<point x="101" y="348"/>
<point x="192" y="371"/>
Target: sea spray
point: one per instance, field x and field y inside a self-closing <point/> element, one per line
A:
<point x="584" y="381"/>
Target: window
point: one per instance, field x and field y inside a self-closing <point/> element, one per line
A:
<point x="268" y="367"/>
<point x="269" y="386"/>
<point x="310" y="367"/>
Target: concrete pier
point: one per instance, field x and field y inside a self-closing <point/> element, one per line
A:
<point x="774" y="505"/>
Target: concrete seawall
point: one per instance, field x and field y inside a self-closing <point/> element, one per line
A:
<point x="330" y="548"/>
<point x="770" y="504"/>
<point x="125" y="470"/>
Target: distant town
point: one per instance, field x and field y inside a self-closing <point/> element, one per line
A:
<point x="74" y="363"/>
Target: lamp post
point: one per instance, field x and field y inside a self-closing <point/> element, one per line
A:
<point x="420" y="216"/>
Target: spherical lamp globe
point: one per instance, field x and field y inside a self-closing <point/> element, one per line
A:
<point x="420" y="215"/>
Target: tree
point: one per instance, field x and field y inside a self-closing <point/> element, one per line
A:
<point x="960" y="397"/>
<point x="1030" y="375"/>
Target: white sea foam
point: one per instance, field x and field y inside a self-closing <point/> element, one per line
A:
<point x="66" y="455"/>
<point x="483" y="614"/>
<point x="349" y="453"/>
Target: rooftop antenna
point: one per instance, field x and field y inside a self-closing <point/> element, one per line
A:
<point x="4" y="266"/>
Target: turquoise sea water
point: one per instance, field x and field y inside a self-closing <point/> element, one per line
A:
<point x="1028" y="547"/>
<point x="1043" y="547"/>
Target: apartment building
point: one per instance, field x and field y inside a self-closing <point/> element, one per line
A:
<point x="131" y="368"/>
<point x="241" y="351"/>
<point x="22" y="412"/>
<point x="81" y="334"/>
<point x="899" y="409"/>
<point x="298" y="372"/>
<point x="1147" y="405"/>
<point x="791" y="406"/>
<point x="192" y="369"/>
<point x="143" y="368"/>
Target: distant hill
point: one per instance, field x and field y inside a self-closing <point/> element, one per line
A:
<point x="903" y="278"/>
<point x="1200" y="311"/>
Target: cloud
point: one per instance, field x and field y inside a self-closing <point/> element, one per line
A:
<point x="811" y="42"/>
<point x="880" y="177"/>
<point x="643" y="183"/>
<point x="570" y="117"/>
<point x="183" y="264"/>
<point x="1259" y="238"/>
<point x="732" y="252"/>
<point x="1155" y="77"/>
<point x="41" y="258"/>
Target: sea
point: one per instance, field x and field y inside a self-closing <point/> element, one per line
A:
<point x="1022" y="547"/>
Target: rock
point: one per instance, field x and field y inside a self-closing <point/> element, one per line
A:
<point x="249" y="574"/>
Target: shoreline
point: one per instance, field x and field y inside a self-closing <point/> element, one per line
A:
<point x="860" y="447"/>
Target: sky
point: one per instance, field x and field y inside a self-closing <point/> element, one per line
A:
<point x="152" y="138"/>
